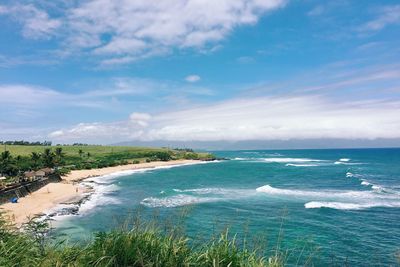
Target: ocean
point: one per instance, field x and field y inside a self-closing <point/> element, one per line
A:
<point x="332" y="206"/>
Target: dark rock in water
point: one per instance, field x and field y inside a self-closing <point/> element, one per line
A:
<point x="72" y="210"/>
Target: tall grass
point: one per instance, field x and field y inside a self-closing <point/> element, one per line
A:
<point x="144" y="244"/>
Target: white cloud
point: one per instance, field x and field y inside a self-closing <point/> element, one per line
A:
<point x="27" y="95"/>
<point x="139" y="29"/>
<point x="193" y="78"/>
<point x="140" y="119"/>
<point x="36" y="23"/>
<point x="278" y="118"/>
<point x="316" y="11"/>
<point x="386" y="16"/>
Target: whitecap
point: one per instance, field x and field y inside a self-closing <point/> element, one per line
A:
<point x="344" y="160"/>
<point x="197" y="195"/>
<point x="349" y="175"/>
<point x="175" y="201"/>
<point x="290" y="160"/>
<point x="301" y="165"/>
<point x="333" y="205"/>
<point x="339" y="199"/>
<point x="365" y="182"/>
<point x="350" y="206"/>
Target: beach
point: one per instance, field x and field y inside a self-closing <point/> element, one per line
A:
<point x="69" y="190"/>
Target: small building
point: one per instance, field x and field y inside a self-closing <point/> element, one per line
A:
<point x="40" y="174"/>
<point x="47" y="171"/>
<point x="2" y="180"/>
<point x="30" y="175"/>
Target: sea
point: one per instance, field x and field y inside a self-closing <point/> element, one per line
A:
<point x="319" y="207"/>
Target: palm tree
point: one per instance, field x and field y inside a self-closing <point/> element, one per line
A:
<point x="59" y="154"/>
<point x="35" y="157"/>
<point x="48" y="158"/>
<point x="6" y="156"/>
<point x="5" y="161"/>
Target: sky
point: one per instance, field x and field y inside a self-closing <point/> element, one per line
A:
<point x="268" y="71"/>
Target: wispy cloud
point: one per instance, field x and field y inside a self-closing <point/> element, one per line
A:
<point x="139" y="29"/>
<point x="386" y="16"/>
<point x="277" y="118"/>
<point x="192" y="78"/>
<point x="36" y="23"/>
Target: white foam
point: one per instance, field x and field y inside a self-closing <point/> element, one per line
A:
<point x="365" y="182"/>
<point x="349" y="175"/>
<point x="339" y="199"/>
<point x="344" y="160"/>
<point x="290" y="160"/>
<point x="175" y="201"/>
<point x="301" y="165"/>
<point x="347" y="163"/>
<point x="100" y="197"/>
<point x="333" y="205"/>
<point x="103" y="187"/>
<point x="202" y="191"/>
<point x="327" y="194"/>
<point x="350" y="206"/>
<point x="197" y="195"/>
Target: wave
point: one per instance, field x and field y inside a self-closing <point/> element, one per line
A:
<point x="302" y="165"/>
<point x="365" y="182"/>
<point x="339" y="199"/>
<point x="347" y="163"/>
<point x="291" y="160"/>
<point x="101" y="196"/>
<point x="350" y="206"/>
<point x="197" y="195"/>
<point x="175" y="201"/>
<point x="344" y="160"/>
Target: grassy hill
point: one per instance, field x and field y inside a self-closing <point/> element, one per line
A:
<point x="94" y="150"/>
<point x="15" y="159"/>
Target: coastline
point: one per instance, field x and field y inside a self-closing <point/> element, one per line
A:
<point x="69" y="190"/>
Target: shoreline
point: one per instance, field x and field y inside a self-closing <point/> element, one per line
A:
<point x="69" y="190"/>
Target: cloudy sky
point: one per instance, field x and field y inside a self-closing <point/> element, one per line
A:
<point x="105" y="71"/>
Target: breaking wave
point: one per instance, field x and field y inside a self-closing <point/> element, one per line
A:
<point x="335" y="199"/>
<point x="195" y="196"/>
<point x="302" y="165"/>
<point x="175" y="201"/>
<point x="350" y="206"/>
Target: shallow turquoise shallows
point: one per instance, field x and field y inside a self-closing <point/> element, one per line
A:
<point x="340" y="205"/>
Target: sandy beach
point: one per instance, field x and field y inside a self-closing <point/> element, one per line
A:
<point x="69" y="190"/>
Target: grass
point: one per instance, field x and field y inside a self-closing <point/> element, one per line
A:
<point x="96" y="151"/>
<point x="144" y="244"/>
<point x="86" y="157"/>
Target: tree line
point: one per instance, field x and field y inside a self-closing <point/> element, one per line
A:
<point x="26" y="143"/>
<point x="13" y="166"/>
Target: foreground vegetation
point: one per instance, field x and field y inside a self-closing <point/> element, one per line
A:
<point x="142" y="245"/>
<point x="16" y="159"/>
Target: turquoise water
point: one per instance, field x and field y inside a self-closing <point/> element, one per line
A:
<point x="345" y="202"/>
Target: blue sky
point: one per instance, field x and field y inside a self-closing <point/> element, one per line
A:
<point x="99" y="71"/>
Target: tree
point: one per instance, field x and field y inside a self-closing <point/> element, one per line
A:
<point x="5" y="161"/>
<point x="59" y="155"/>
<point x="48" y="158"/>
<point x="35" y="157"/>
<point x="7" y="165"/>
<point x="80" y="152"/>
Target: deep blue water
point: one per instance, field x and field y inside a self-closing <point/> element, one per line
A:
<point x="339" y="205"/>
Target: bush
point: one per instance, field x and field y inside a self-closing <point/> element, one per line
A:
<point x="143" y="245"/>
